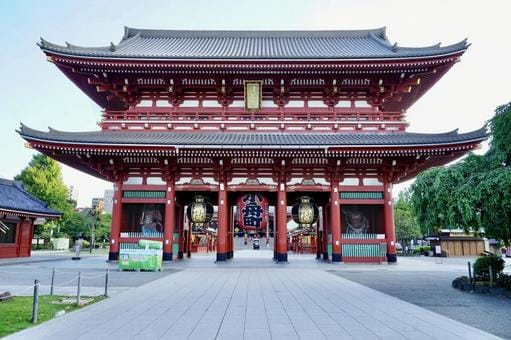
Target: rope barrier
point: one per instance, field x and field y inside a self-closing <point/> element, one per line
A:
<point x="93" y="277"/>
<point x="24" y="290"/>
<point x="61" y="284"/>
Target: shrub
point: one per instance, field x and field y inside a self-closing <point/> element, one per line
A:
<point x="504" y="281"/>
<point x="482" y="264"/>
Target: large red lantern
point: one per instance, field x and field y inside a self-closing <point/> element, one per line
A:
<point x="252" y="211"/>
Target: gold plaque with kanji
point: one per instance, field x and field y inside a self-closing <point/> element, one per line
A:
<point x="253" y="94"/>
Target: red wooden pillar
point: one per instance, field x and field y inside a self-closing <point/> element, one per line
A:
<point x="170" y="220"/>
<point x="281" y="212"/>
<point x="223" y="222"/>
<point x="32" y="220"/>
<point x="335" y="220"/>
<point x="326" y="231"/>
<point x="115" y="230"/>
<point x="388" y="213"/>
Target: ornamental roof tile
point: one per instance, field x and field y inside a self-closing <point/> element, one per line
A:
<point x="14" y="198"/>
<point x="221" y="45"/>
<point x="252" y="140"/>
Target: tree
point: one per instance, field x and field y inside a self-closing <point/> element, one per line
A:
<point x="76" y="225"/>
<point x="43" y="179"/>
<point x="103" y="223"/>
<point x="407" y="227"/>
<point x="474" y="193"/>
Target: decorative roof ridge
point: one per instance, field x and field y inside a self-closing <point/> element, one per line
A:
<point x="130" y="32"/>
<point x="9" y="182"/>
<point x="46" y="45"/>
<point x="460" y="45"/>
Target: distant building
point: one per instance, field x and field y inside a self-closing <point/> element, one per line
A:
<point x="73" y="193"/>
<point x="18" y="212"/>
<point x="98" y="204"/>
<point x="108" y="200"/>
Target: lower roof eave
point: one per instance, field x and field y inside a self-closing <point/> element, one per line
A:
<point x="28" y="213"/>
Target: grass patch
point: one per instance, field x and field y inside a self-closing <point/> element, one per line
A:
<point x="17" y="312"/>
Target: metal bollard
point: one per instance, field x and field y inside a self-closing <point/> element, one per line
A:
<point x="106" y="283"/>
<point x="35" y="305"/>
<point x="469" y="272"/>
<point x="490" y="270"/>
<point x="78" y="289"/>
<point x="52" y="281"/>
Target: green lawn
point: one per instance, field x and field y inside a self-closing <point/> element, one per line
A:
<point x="15" y="314"/>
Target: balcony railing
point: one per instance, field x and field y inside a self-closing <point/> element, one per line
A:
<point x="141" y="235"/>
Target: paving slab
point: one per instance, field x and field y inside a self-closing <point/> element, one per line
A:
<point x="262" y="300"/>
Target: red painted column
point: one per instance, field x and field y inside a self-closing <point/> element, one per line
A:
<point x="281" y="212"/>
<point x="115" y="230"/>
<point x="335" y="220"/>
<point x="170" y="220"/>
<point x="223" y="222"/>
<point x="388" y="213"/>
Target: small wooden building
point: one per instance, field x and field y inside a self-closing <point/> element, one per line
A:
<point x="459" y="245"/>
<point x="18" y="211"/>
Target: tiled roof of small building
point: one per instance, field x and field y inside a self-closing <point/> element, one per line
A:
<point x="14" y="199"/>
<point x="251" y="140"/>
<point x="287" y="45"/>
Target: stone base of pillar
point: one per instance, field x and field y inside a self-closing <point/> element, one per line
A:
<point x="221" y="257"/>
<point x="318" y="256"/>
<point x="391" y="258"/>
<point x="180" y="254"/>
<point x="167" y="257"/>
<point x="325" y="256"/>
<point x="281" y="257"/>
<point x="113" y="256"/>
<point x="231" y="254"/>
<point x="336" y="257"/>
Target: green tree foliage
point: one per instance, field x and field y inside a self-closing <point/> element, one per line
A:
<point x="474" y="193"/>
<point x="76" y="225"/>
<point x="407" y="227"/>
<point x="43" y="179"/>
<point x="483" y="264"/>
<point x="103" y="223"/>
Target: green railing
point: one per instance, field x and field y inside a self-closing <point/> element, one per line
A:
<point x="129" y="245"/>
<point x="364" y="236"/>
<point x="142" y="235"/>
<point x="364" y="250"/>
<point x="143" y="194"/>
<point x="361" y="195"/>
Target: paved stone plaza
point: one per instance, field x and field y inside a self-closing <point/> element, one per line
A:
<point x="253" y="298"/>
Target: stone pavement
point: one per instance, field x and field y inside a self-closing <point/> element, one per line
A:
<point x="261" y="300"/>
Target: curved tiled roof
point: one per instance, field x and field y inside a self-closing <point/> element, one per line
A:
<point x="14" y="199"/>
<point x="218" y="45"/>
<point x="251" y="140"/>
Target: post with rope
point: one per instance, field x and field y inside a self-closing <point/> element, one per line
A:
<point x="35" y="305"/>
<point x="78" y="289"/>
<point x="106" y="283"/>
<point x="52" y="281"/>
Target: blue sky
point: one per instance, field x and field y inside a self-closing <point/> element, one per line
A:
<point x="34" y="92"/>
